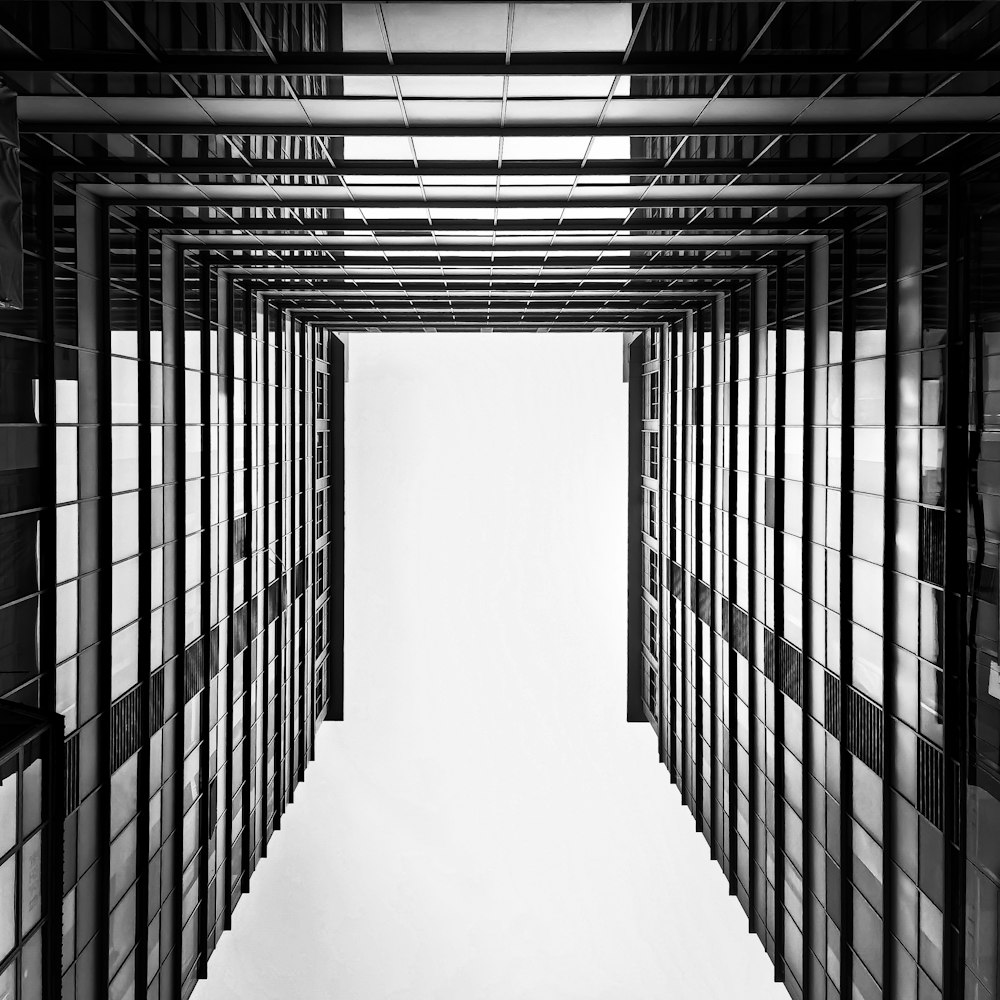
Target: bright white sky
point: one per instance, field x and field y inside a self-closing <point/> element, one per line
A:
<point x="485" y="825"/>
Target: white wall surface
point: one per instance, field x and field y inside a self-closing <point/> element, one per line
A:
<point x="485" y="825"/>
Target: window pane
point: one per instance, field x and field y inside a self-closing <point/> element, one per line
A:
<point x="31" y="883"/>
<point x="7" y="906"/>
<point x="8" y="812"/>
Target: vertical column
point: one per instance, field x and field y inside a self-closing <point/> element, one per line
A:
<point x="891" y="386"/>
<point x="244" y="487"/>
<point x="777" y="761"/>
<point x="92" y="293"/>
<point x="227" y="537"/>
<point x="699" y="398"/>
<point x="680" y="448"/>
<point x="730" y="459"/>
<point x="845" y="657"/>
<point x="755" y="608"/>
<point x="670" y="504"/>
<point x="816" y="323"/>
<point x="335" y="508"/>
<point x="718" y="588"/>
<point x="957" y="658"/>
<point x="202" y="384"/>
<point x="144" y="892"/>
<point x="658" y="516"/>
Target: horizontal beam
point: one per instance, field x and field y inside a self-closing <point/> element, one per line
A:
<point x="495" y="325"/>
<point x="724" y="127"/>
<point x="491" y="285"/>
<point x="450" y="263"/>
<point x="704" y="223"/>
<point x="606" y="270"/>
<point x="690" y="167"/>
<point x="484" y="199"/>
<point x="526" y="293"/>
<point x="638" y="313"/>
<point x="549" y="117"/>
<point x="338" y="64"/>
<point x="388" y="246"/>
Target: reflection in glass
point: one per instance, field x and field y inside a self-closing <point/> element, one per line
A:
<point x="7" y="906"/>
<point x="31" y="883"/>
<point x="31" y="797"/>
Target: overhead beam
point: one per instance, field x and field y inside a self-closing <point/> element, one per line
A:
<point x="610" y="196"/>
<point x="338" y="64"/>
<point x="360" y="248"/>
<point x="694" y="167"/>
<point x="632" y="116"/>
<point x="703" y="223"/>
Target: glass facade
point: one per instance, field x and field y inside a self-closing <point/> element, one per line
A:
<point x="169" y="530"/>
<point x="30" y="826"/>
<point x="804" y="237"/>
<point x="796" y="647"/>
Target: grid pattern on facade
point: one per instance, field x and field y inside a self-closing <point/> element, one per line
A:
<point x="806" y="235"/>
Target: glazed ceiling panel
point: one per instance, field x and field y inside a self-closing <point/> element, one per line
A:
<point x="436" y="164"/>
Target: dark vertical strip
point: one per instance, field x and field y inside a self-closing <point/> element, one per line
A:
<point x="47" y="429"/>
<point x="96" y="241"/>
<point x="54" y="792"/>
<point x="681" y="473"/>
<point x="336" y="388"/>
<point x="173" y="265"/>
<point x="810" y="364"/>
<point x="711" y="430"/>
<point x="282" y="691"/>
<point x="959" y="659"/>
<point x="267" y="417"/>
<point x="145" y="600"/>
<point x="205" y="821"/>
<point x="733" y="297"/>
<point x="889" y="707"/>
<point x="303" y="503"/>
<point x="636" y="464"/>
<point x="313" y="549"/>
<point x="55" y="774"/>
<point x="248" y="320"/>
<point x="667" y="468"/>
<point x="698" y="417"/>
<point x="780" y="419"/>
<point x="758" y="293"/>
<point x="663" y="581"/>
<point x="228" y="379"/>
<point x="846" y="611"/>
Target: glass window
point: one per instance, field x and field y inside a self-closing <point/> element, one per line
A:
<point x="123" y="793"/>
<point x="122" y="930"/>
<point x="123" y="862"/>
<point x="7" y="907"/>
<point x="124" y="593"/>
<point x="31" y="797"/>
<point x="124" y="660"/>
<point x="68" y="929"/>
<point x="31" y="969"/>
<point x="124" y="459"/>
<point x="31" y="883"/>
<point x="868" y="798"/>
<point x="124" y="526"/>
<point x="8" y="812"/>
<point x="124" y="391"/>
<point x="123" y="985"/>
<point x="8" y="981"/>
<point x="67" y="481"/>
<point x="67" y="542"/>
